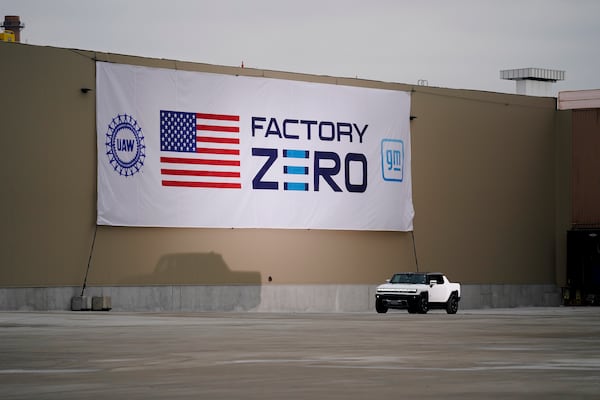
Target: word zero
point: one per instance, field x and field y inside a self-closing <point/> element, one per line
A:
<point x="326" y="166"/>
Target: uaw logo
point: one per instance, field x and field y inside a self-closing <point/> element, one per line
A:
<point x="125" y="145"/>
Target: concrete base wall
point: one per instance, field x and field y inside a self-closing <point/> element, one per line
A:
<point x="268" y="298"/>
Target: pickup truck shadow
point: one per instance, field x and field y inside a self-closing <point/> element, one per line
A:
<point x="205" y="280"/>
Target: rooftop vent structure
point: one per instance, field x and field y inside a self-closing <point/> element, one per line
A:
<point x="13" y="23"/>
<point x="533" y="81"/>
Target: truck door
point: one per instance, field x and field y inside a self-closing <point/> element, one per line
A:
<point x="438" y="292"/>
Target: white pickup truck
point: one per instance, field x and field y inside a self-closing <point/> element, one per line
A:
<point x="418" y="292"/>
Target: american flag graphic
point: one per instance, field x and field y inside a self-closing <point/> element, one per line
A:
<point x="200" y="150"/>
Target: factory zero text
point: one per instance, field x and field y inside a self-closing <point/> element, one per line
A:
<point x="327" y="165"/>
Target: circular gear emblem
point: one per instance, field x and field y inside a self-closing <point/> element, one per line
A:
<point x="125" y="145"/>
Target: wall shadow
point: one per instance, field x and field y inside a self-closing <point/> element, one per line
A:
<point x="194" y="269"/>
<point x="205" y="281"/>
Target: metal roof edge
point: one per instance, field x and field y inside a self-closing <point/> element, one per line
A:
<point x="578" y="99"/>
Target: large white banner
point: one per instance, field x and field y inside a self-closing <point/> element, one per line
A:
<point x="191" y="149"/>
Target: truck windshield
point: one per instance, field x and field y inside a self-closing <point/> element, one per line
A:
<point x="408" y="278"/>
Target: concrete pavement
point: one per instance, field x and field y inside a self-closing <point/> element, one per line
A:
<point x="533" y="353"/>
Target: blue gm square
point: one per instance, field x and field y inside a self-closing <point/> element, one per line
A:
<point x="392" y="160"/>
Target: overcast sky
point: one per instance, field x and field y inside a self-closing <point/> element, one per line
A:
<point x="457" y="44"/>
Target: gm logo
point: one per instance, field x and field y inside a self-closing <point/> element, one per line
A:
<point x="392" y="160"/>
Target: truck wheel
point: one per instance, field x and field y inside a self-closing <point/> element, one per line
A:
<point x="452" y="304"/>
<point x="380" y="307"/>
<point x="422" y="305"/>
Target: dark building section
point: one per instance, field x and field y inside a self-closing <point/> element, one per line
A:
<point x="583" y="239"/>
<point x="586" y="169"/>
<point x="583" y="267"/>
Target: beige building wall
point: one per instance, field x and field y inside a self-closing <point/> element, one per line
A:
<point x="488" y="193"/>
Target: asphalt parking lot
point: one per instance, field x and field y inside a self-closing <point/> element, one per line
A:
<point x="533" y="353"/>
